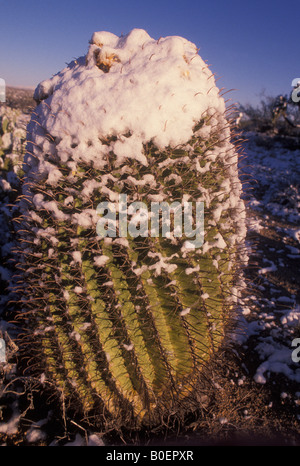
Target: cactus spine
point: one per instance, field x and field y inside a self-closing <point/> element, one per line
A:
<point x="123" y="326"/>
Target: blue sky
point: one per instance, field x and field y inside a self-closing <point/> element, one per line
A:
<point x="252" y="46"/>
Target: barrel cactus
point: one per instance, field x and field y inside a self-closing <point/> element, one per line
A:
<point x="122" y="324"/>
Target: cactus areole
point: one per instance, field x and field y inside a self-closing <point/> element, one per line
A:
<point x="123" y="324"/>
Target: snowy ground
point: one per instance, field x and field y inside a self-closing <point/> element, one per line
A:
<point x="269" y="316"/>
<point x="273" y="202"/>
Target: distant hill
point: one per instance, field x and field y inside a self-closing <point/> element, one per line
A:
<point x="21" y="98"/>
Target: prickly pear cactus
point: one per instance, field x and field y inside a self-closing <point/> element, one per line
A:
<point x="122" y="324"/>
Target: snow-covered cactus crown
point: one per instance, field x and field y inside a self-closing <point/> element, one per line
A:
<point x="133" y="88"/>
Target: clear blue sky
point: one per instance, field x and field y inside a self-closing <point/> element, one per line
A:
<point x="250" y="45"/>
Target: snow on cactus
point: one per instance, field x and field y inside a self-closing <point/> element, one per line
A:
<point x="123" y="324"/>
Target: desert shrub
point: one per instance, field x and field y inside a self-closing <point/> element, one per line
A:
<point x="274" y="115"/>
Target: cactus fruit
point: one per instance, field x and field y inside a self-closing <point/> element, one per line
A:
<point x="123" y="325"/>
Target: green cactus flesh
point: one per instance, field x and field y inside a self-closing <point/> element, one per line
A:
<point x="127" y="336"/>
